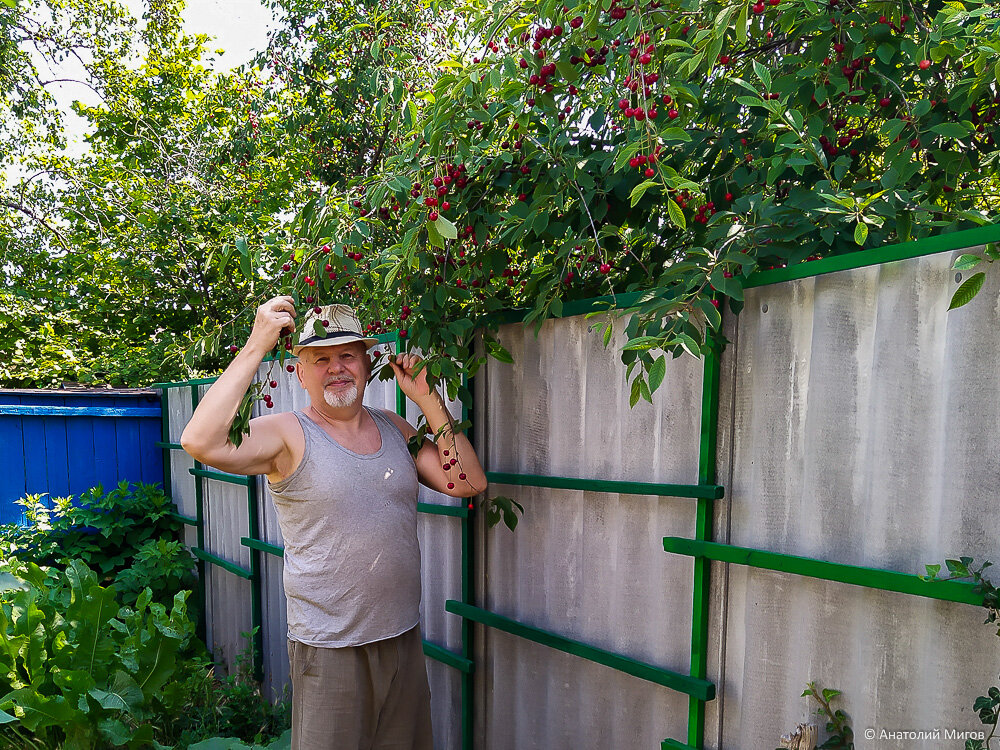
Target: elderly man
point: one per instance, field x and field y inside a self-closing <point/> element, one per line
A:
<point x="345" y="488"/>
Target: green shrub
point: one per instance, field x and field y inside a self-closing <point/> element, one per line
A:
<point x="78" y="671"/>
<point x="97" y="646"/>
<point x="127" y="536"/>
<point x="234" y="708"/>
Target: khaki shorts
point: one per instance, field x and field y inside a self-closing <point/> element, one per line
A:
<point x="371" y="697"/>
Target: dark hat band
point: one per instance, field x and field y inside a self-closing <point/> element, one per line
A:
<point x="335" y="335"/>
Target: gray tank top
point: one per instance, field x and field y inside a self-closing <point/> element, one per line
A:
<point x="349" y="522"/>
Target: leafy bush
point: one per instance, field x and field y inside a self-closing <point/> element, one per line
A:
<point x="233" y="708"/>
<point x="127" y="536"/>
<point x="97" y="646"/>
<point x="77" y="670"/>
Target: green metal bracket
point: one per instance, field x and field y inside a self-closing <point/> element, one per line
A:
<point x="186" y="383"/>
<point x="271" y="549"/>
<point x="199" y="502"/>
<point x="703" y="530"/>
<point x="208" y="557"/>
<point x="256" y="593"/>
<point x="184" y="519"/>
<point x="872" y="578"/>
<point x="169" y="446"/>
<point x="878" y="255"/>
<point x="438" y="509"/>
<point x="606" y="485"/>
<point x="445" y="656"/>
<point x="223" y="477"/>
<point x="703" y="689"/>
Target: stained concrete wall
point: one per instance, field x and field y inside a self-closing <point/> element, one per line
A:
<point x="857" y="418"/>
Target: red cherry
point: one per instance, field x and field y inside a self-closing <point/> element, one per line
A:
<point x="273" y="383"/>
<point x="432" y="215"/>
<point x="672" y="114"/>
<point x="451" y="485"/>
<point x="729" y="196"/>
<point x="462" y="477"/>
<point x="924" y="64"/>
<point x="649" y="172"/>
<point x="885" y="101"/>
<point x="290" y="368"/>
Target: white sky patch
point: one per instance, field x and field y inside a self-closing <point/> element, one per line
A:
<point x="238" y="27"/>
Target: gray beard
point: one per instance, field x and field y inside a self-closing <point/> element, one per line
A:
<point x="342" y="399"/>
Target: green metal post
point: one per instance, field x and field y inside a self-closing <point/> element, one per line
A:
<point x="468" y="597"/>
<point x="200" y="530"/>
<point x="256" y="615"/>
<point x="703" y="532"/>
<point x="400" y="398"/>
<point x="165" y="436"/>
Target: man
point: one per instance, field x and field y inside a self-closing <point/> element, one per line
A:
<point x="345" y="489"/>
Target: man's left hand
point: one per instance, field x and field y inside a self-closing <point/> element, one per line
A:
<point x="412" y="384"/>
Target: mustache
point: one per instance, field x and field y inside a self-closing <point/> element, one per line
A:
<point x="338" y="380"/>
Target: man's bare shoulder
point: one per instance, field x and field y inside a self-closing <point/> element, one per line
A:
<point x="405" y="427"/>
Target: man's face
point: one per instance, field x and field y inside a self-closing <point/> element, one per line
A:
<point x="335" y="374"/>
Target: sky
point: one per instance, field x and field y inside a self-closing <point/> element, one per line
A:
<point x="236" y="26"/>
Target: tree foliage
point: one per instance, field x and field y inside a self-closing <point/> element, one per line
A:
<point x="434" y="163"/>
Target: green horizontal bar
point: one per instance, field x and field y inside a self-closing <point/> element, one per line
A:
<point x="445" y="656"/>
<point x="221" y="476"/>
<point x="675" y="745"/>
<point x="437" y="509"/>
<point x="183" y="519"/>
<point x="224" y="564"/>
<point x="606" y="485"/>
<point x="701" y="689"/>
<point x="169" y="446"/>
<point x="940" y="243"/>
<point x="872" y="578"/>
<point x="28" y="410"/>
<point x="183" y="383"/>
<point x="271" y="549"/>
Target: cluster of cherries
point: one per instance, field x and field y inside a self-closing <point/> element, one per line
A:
<point x="447" y="467"/>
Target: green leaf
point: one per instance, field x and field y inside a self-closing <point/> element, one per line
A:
<point x="676" y="215"/>
<point x="657" y="372"/>
<point x="434" y="235"/>
<point x="969" y="289"/>
<point x="951" y="130"/>
<point x="447" y="229"/>
<point x="763" y="74"/>
<point x="498" y="352"/>
<point x="633" y="398"/>
<point x="967" y="261"/>
<point x="860" y="233"/>
<point x="675" y="134"/>
<point x="639" y="190"/>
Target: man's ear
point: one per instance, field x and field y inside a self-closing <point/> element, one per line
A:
<point x="298" y="373"/>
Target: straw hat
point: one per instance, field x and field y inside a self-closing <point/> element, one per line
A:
<point x="338" y="322"/>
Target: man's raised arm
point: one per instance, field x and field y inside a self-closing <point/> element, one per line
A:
<point x="206" y="436"/>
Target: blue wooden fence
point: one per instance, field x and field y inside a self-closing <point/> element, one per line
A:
<point x="65" y="442"/>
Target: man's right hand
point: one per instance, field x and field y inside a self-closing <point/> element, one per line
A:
<point x="274" y="318"/>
